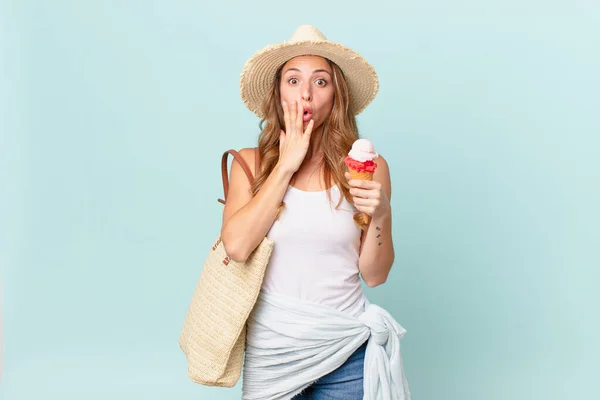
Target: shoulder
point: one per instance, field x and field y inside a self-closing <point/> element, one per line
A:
<point x="381" y="163"/>
<point x="238" y="192"/>
<point x="249" y="156"/>
<point x="383" y="169"/>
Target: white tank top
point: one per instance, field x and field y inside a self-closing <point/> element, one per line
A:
<point x="315" y="257"/>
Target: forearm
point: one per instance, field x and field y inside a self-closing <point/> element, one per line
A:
<point x="377" y="254"/>
<point x="245" y="229"/>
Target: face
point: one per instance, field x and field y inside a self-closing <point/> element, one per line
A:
<point x="309" y="81"/>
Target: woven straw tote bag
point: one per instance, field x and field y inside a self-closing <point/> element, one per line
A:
<point x="214" y="330"/>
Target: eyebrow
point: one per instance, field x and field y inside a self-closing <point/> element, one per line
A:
<point x="314" y="72"/>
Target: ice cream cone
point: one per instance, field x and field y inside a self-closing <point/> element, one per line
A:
<point x="361" y="218"/>
<point x="361" y="175"/>
<point x="361" y="167"/>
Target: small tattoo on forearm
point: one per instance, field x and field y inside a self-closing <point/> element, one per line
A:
<point x="378" y="228"/>
<point x="378" y="236"/>
<point x="379" y="244"/>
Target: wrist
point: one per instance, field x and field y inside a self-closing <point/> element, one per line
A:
<point x="283" y="174"/>
<point x="385" y="214"/>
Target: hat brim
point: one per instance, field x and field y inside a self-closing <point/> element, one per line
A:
<point x="259" y="72"/>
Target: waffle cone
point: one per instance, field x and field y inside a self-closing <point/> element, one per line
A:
<point x="361" y="175"/>
<point x="361" y="219"/>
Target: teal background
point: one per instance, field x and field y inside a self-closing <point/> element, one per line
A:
<point x="114" y="115"/>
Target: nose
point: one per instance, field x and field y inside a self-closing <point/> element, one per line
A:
<point x="306" y="92"/>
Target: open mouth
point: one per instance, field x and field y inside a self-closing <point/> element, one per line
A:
<point x="307" y="114"/>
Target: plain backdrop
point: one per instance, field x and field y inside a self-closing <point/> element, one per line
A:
<point x="114" y="115"/>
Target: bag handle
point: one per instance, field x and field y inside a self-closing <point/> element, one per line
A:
<point x="244" y="165"/>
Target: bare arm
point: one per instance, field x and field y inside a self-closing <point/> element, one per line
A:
<point x="246" y="220"/>
<point x="377" y="248"/>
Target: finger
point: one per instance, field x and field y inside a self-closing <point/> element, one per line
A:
<point x="299" y="117"/>
<point x="309" y="129"/>
<point x="364" y="193"/>
<point x="366" y="210"/>
<point x="293" y="115"/>
<point x="357" y="183"/>
<point x="348" y="176"/>
<point x="286" y="115"/>
<point x="364" y="184"/>
<point x="364" y="202"/>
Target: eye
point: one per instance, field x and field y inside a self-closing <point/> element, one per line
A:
<point x="321" y="82"/>
<point x="292" y="81"/>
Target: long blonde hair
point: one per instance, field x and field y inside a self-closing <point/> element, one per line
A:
<point x="339" y="133"/>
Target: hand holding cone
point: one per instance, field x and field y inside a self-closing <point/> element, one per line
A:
<point x="361" y="167"/>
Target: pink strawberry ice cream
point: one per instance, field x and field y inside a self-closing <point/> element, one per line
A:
<point x="361" y="156"/>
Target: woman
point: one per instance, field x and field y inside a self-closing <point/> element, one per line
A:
<point x="312" y="332"/>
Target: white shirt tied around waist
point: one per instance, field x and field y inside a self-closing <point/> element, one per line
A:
<point x="291" y="343"/>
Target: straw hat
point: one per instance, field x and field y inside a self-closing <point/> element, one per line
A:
<point x="259" y="71"/>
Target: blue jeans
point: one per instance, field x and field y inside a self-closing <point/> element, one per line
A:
<point x="344" y="383"/>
